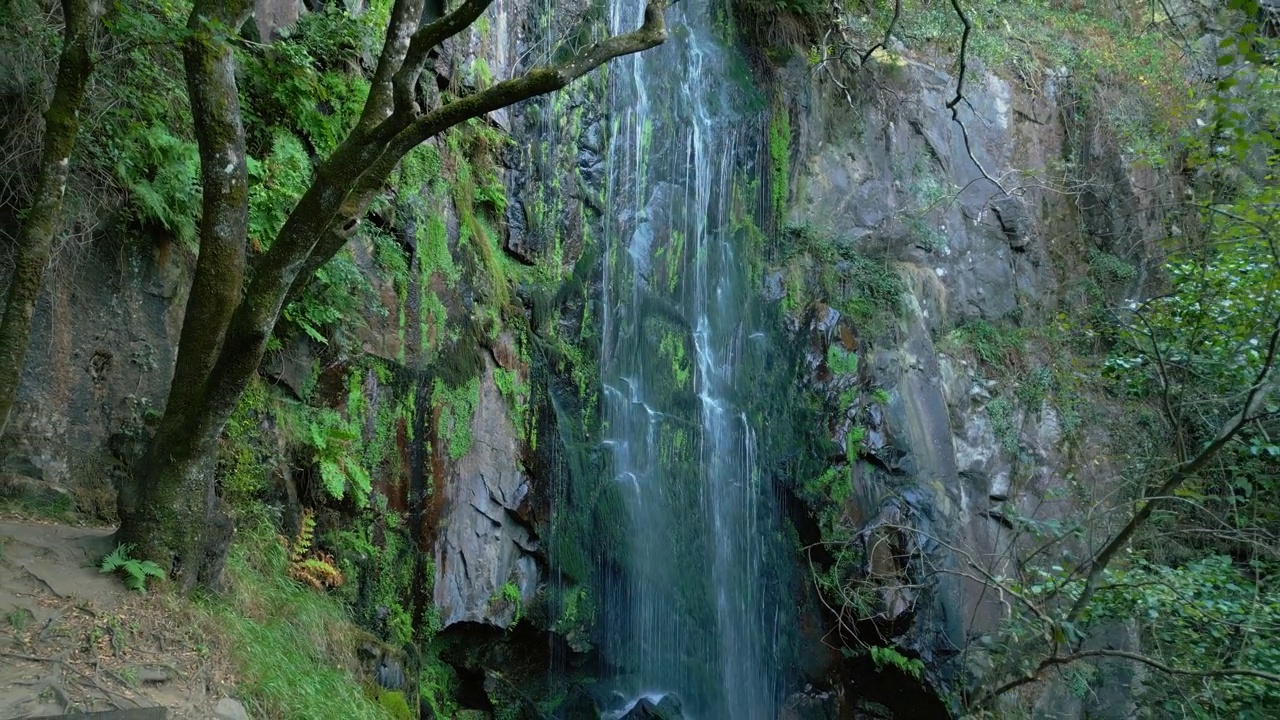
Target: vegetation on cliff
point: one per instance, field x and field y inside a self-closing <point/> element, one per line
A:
<point x="264" y="164"/>
<point x="1178" y="341"/>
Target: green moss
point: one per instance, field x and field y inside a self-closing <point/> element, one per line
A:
<point x="675" y="259"/>
<point x="420" y="168"/>
<point x="841" y="361"/>
<point x="516" y="392"/>
<point x="779" y="157"/>
<point x="672" y="348"/>
<point x="474" y="232"/>
<point x="433" y="239"/>
<point x="482" y="76"/>
<point x="244" y="463"/>
<point x="394" y="703"/>
<point x="456" y="406"/>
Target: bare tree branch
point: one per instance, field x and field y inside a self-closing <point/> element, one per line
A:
<point x="964" y="48"/>
<point x="1056" y="660"/>
<point x="1258" y="393"/>
<point x="888" y="32"/>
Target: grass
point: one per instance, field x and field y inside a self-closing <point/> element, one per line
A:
<point x="293" y="648"/>
<point x="18" y="618"/>
<point x="54" y="507"/>
<point x="997" y="347"/>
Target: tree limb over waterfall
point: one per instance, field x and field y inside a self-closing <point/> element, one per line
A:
<point x="168" y="507"/>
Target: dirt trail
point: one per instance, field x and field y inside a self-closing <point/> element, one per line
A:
<point x="74" y="639"/>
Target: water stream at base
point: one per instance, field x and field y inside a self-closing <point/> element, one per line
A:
<point x="688" y="608"/>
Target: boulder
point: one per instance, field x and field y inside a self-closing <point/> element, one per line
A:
<point x="666" y="708"/>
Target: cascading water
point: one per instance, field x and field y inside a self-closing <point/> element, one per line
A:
<point x="688" y="607"/>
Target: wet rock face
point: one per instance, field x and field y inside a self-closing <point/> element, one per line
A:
<point x="940" y="466"/>
<point x="811" y="705"/>
<point x="102" y="348"/>
<point x="271" y="15"/>
<point x="666" y="708"/>
<point x="483" y="545"/>
<point x="883" y="178"/>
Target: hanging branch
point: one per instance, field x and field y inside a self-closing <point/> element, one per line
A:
<point x="888" y="32"/>
<point x="1058" y="660"/>
<point x="964" y="47"/>
<point x="954" y="103"/>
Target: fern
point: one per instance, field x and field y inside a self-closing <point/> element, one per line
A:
<point x="161" y="174"/>
<point x="886" y="656"/>
<point x="333" y="478"/>
<point x="314" y="568"/>
<point x="333" y="439"/>
<point x="306" y="535"/>
<point x="135" y="572"/>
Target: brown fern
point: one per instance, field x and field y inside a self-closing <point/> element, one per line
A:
<point x="310" y="566"/>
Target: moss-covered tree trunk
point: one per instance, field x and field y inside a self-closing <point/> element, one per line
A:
<point x="169" y="507"/>
<point x="35" y="240"/>
<point x="169" y="510"/>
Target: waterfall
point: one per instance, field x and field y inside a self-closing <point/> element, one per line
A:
<point x="689" y="606"/>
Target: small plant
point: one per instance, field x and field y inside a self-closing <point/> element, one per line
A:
<point x="395" y="704"/>
<point x="1001" y="413"/>
<point x="310" y="566"/>
<point x="1000" y="348"/>
<point x="841" y="361"/>
<point x="1034" y="388"/>
<point x="509" y="594"/>
<point x="18" y="618"/>
<point x="135" y="572"/>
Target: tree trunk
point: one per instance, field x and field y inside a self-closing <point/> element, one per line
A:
<point x="170" y="513"/>
<point x="168" y="507"/>
<point x="35" y="241"/>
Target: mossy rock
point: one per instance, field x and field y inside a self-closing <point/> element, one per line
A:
<point x="395" y="704"/>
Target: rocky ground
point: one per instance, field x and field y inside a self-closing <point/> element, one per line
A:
<point x="73" y="639"/>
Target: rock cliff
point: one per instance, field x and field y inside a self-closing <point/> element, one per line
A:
<point x="987" y="217"/>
